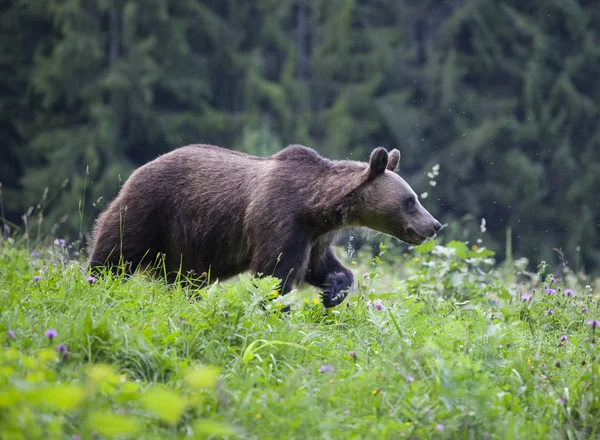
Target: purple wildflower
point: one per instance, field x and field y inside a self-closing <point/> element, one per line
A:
<point x="526" y="298"/>
<point x="62" y="350"/>
<point x="91" y="280"/>
<point x="378" y="306"/>
<point x="584" y="310"/>
<point x="439" y="427"/>
<point x="368" y="305"/>
<point x="11" y="334"/>
<point x="325" y="368"/>
<point x="568" y="292"/>
<point x="410" y="379"/>
<point x="37" y="278"/>
<point x="347" y="412"/>
<point x="550" y="291"/>
<point x="549" y="312"/>
<point x="352" y="354"/>
<point x="51" y="333"/>
<point x="76" y="437"/>
<point x="366" y="276"/>
<point x="563" y="338"/>
<point x="552" y="280"/>
<point x="35" y="254"/>
<point x="594" y="323"/>
<point x="60" y="242"/>
<point x="586" y="339"/>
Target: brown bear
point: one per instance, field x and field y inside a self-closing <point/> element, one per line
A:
<point x="205" y="209"/>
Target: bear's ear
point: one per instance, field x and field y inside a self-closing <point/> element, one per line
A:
<point x="393" y="160"/>
<point x="377" y="163"/>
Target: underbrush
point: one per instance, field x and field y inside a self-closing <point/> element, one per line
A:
<point x="438" y="343"/>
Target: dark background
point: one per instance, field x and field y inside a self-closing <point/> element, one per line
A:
<point x="504" y="95"/>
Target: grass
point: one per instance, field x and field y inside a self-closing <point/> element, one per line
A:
<point x="438" y="343"/>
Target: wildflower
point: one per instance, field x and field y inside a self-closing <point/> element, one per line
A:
<point x="51" y="333"/>
<point x="258" y="416"/>
<point x="439" y="427"/>
<point x="378" y="306"/>
<point x="526" y="298"/>
<point x="91" y="280"/>
<point x="347" y="412"/>
<point x="584" y="310"/>
<point x="475" y="247"/>
<point x="316" y="300"/>
<point x="325" y="368"/>
<point x="408" y="423"/>
<point x="552" y="280"/>
<point x="35" y="254"/>
<point x="37" y="278"/>
<point x="281" y="400"/>
<point x="352" y="354"/>
<point x="550" y="291"/>
<point x="353" y="263"/>
<point x="416" y="259"/>
<point x="59" y="242"/>
<point x="563" y="338"/>
<point x="568" y="292"/>
<point x="11" y="334"/>
<point x="76" y="437"/>
<point x="410" y="379"/>
<point x="62" y="350"/>
<point x="549" y="312"/>
<point x="374" y="392"/>
<point x="368" y="305"/>
<point x="331" y="380"/>
<point x="594" y="323"/>
<point x="366" y="276"/>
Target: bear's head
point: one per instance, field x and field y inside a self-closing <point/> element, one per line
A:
<point x="386" y="203"/>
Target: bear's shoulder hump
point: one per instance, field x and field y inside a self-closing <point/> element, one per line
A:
<point x="298" y="152"/>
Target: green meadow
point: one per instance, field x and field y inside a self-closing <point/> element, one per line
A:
<point x="438" y="341"/>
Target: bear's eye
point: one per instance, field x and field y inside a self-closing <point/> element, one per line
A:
<point x="409" y="204"/>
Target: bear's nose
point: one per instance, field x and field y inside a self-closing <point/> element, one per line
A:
<point x="437" y="225"/>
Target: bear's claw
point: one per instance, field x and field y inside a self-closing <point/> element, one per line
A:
<point x="337" y="287"/>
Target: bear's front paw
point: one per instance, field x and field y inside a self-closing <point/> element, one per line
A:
<point x="336" y="288"/>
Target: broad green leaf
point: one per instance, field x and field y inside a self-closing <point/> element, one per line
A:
<point x="205" y="428"/>
<point x="164" y="403"/>
<point x="108" y="424"/>
<point x="426" y="247"/>
<point x="63" y="397"/>
<point x="462" y="250"/>
<point x="202" y="377"/>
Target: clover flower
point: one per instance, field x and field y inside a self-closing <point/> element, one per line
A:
<point x="378" y="306"/>
<point x="91" y="280"/>
<point x="526" y="298"/>
<point x="410" y="379"/>
<point x="62" y="350"/>
<point x="568" y="292"/>
<point x="584" y="310"/>
<point x="439" y="427"/>
<point x="51" y="333"/>
<point x="549" y="312"/>
<point x="594" y="323"/>
<point x="11" y="334"/>
<point x="563" y="338"/>
<point x="37" y="278"/>
<point x="325" y="368"/>
<point x="550" y="291"/>
<point x="59" y="242"/>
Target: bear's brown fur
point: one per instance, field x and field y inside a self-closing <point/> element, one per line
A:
<point x="208" y="209"/>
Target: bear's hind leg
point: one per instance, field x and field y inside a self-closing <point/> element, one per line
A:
<point x="328" y="273"/>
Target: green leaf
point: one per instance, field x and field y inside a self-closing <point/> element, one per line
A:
<point x="426" y="247"/>
<point x="205" y="428"/>
<point x="202" y="377"/>
<point x="63" y="397"/>
<point x="164" y="403"/>
<point x="462" y="250"/>
<point x="108" y="424"/>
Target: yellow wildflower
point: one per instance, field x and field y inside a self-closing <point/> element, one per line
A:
<point x="316" y="300"/>
<point x="258" y="416"/>
<point x="416" y="259"/>
<point x="354" y="262"/>
<point x="475" y="247"/>
<point x="408" y="423"/>
<point x="276" y="294"/>
<point x="374" y="392"/>
<point x="331" y="380"/>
